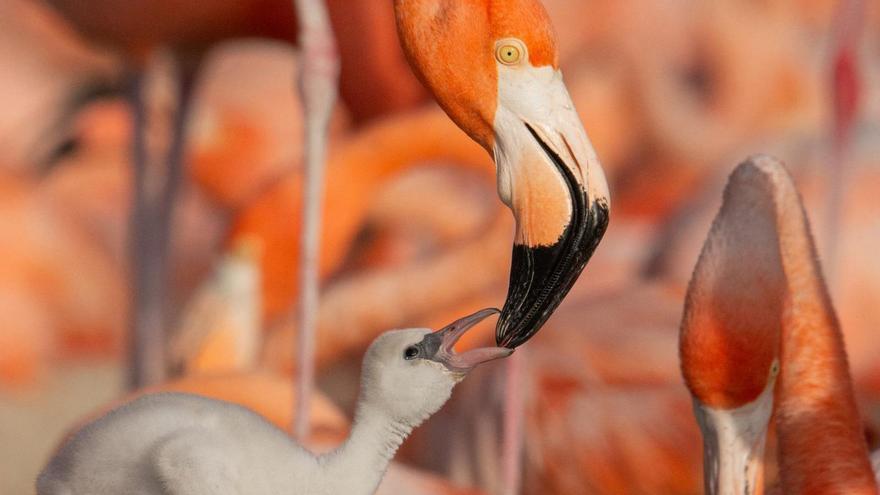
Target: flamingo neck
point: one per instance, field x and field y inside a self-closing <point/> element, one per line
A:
<point x="822" y="447"/>
<point x="398" y="143"/>
<point x="358" y="466"/>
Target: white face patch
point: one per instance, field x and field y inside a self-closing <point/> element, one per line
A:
<point x="534" y="104"/>
<point x="733" y="443"/>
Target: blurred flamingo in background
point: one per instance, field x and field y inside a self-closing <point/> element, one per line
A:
<point x="221" y="327"/>
<point x="846" y="98"/>
<point x="53" y="71"/>
<point x="56" y="302"/>
<point x="381" y="151"/>
<point x="190" y="29"/>
<point x="374" y="79"/>
<point x="747" y="325"/>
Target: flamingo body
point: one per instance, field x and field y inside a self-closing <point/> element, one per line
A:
<point x="374" y="77"/>
<point x="785" y="328"/>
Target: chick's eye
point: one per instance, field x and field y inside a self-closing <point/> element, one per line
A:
<point x="411" y="352"/>
<point x="509" y="52"/>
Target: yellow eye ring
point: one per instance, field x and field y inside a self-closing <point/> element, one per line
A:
<point x="509" y="51"/>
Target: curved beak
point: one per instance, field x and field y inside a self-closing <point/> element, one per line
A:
<point x="549" y="176"/>
<point x="733" y="446"/>
<point x="442" y="343"/>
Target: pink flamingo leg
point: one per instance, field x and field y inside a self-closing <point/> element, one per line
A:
<point x="318" y="81"/>
<point x="154" y="195"/>
<point x="514" y="414"/>
<point x="146" y="308"/>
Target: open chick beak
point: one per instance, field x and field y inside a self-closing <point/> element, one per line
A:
<point x="445" y="339"/>
<point x="549" y="176"/>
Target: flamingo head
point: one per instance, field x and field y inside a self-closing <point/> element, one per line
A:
<point x="493" y="67"/>
<point x="730" y="333"/>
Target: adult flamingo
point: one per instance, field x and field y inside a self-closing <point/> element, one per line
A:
<point x="758" y="312"/>
<point x="493" y="67"/>
<point x="374" y="78"/>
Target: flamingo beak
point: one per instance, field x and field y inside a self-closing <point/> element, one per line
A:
<point x="733" y="445"/>
<point x="549" y="176"/>
<point x="440" y="344"/>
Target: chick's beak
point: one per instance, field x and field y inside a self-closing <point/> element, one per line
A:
<point x="549" y="176"/>
<point x="445" y="339"/>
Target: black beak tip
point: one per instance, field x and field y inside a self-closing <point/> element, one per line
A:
<point x="540" y="277"/>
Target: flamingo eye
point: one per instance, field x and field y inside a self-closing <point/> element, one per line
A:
<point x="774" y="368"/>
<point x="411" y="352"/>
<point x="509" y="51"/>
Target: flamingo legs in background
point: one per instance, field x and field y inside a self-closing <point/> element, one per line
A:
<point x="319" y="74"/>
<point x="758" y="312"/>
<point x="190" y="30"/>
<point x="156" y="185"/>
<point x="514" y="415"/>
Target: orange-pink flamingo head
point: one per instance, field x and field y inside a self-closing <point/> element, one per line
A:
<point x="493" y="67"/>
<point x="730" y="333"/>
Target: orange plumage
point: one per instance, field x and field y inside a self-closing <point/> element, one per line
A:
<point x="759" y="265"/>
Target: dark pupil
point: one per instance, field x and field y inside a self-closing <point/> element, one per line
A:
<point x="411" y="352"/>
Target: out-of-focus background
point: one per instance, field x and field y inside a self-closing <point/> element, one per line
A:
<point x="673" y="93"/>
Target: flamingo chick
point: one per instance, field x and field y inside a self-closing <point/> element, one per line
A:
<point x="757" y="313"/>
<point x="493" y="67"/>
<point x="172" y="443"/>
